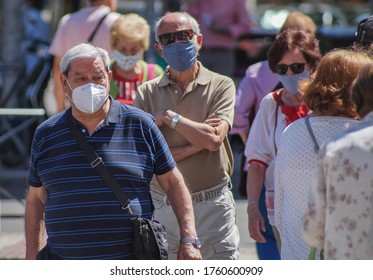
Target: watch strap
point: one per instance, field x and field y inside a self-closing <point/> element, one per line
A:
<point x="191" y="240"/>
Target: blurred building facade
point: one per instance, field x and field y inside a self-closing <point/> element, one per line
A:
<point x="12" y="31"/>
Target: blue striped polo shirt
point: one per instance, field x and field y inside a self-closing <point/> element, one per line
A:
<point x="83" y="218"/>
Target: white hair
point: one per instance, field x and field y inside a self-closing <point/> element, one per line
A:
<point x="81" y="51"/>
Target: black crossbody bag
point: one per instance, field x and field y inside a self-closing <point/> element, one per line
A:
<point x="150" y="237"/>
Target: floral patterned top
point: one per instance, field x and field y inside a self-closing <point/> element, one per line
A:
<point x="339" y="215"/>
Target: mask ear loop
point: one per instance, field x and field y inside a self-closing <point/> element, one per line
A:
<point x="67" y="81"/>
<point x="68" y="97"/>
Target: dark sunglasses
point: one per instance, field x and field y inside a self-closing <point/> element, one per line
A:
<point x="296" y="68"/>
<point x="169" y="38"/>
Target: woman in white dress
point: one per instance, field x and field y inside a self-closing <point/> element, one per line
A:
<point x="339" y="215"/>
<point x="294" y="55"/>
<point x="327" y="95"/>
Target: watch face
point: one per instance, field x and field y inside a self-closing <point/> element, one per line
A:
<point x="176" y="118"/>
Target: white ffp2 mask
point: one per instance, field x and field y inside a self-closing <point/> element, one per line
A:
<point x="90" y="97"/>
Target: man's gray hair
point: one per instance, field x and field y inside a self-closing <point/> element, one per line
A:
<point x="82" y="51"/>
<point x="193" y="22"/>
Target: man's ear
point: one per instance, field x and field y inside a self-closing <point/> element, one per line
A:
<point x="199" y="41"/>
<point x="110" y="74"/>
<point x="158" y="48"/>
<point x="63" y="79"/>
<point x="64" y="83"/>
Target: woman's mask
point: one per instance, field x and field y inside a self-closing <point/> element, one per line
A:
<point x="290" y="83"/>
<point x="126" y="62"/>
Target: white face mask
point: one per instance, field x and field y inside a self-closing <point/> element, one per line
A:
<point x="90" y="97"/>
<point x="126" y="62"/>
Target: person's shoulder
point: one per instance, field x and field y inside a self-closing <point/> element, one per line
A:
<point x="51" y="123"/>
<point x="268" y="101"/>
<point x="269" y="97"/>
<point x="258" y="69"/>
<point x="134" y="113"/>
<point x="347" y="133"/>
<point x="92" y="12"/>
<point x="160" y="80"/>
<point x="113" y="16"/>
<point x="54" y="119"/>
<point x="207" y="73"/>
<point x="295" y="127"/>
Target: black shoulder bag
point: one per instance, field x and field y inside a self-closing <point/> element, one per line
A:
<point x="150" y="237"/>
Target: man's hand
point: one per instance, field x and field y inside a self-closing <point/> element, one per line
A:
<point x="188" y="252"/>
<point x="159" y="118"/>
<point x="213" y="122"/>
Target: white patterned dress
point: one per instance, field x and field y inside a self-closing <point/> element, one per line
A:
<point x="294" y="169"/>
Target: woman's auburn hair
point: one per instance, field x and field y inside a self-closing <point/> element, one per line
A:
<point x="328" y="92"/>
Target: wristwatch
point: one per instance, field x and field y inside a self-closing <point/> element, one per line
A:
<point x="175" y="119"/>
<point x="191" y="240"/>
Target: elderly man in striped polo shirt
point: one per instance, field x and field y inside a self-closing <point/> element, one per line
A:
<point x="82" y="217"/>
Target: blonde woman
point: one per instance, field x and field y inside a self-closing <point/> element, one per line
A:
<point x="129" y="39"/>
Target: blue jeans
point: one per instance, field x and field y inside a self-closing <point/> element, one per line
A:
<point x="268" y="250"/>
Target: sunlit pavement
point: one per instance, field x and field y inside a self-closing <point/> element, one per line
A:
<point x="12" y="243"/>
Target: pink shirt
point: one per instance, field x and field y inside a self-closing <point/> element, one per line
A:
<point x="75" y="28"/>
<point x="259" y="80"/>
<point x="228" y="14"/>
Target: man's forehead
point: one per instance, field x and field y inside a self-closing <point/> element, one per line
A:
<point x="174" y="22"/>
<point x="88" y="65"/>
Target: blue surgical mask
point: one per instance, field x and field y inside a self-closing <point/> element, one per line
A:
<point x="290" y="83"/>
<point x="180" y="55"/>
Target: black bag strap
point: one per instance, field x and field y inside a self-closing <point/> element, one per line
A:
<point x="308" y="125"/>
<point x="90" y="38"/>
<point x="98" y="164"/>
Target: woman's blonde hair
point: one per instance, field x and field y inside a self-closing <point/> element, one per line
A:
<point x="329" y="92"/>
<point x="132" y="28"/>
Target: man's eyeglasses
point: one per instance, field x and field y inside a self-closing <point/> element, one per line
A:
<point x="296" y="68"/>
<point x="169" y="38"/>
